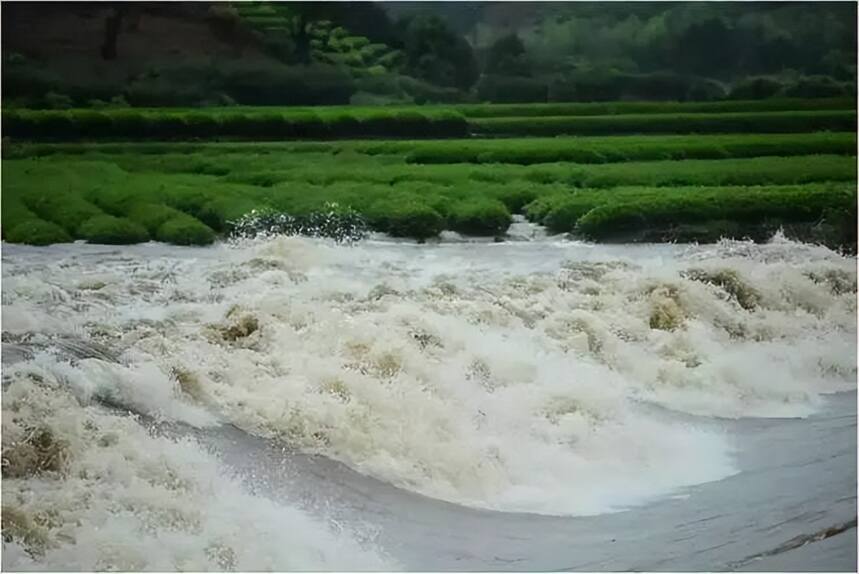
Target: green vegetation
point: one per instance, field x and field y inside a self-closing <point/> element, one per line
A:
<point x="184" y="230"/>
<point x="36" y="232"/>
<point x="112" y="230"/>
<point x="642" y="107"/>
<point x="733" y="122"/>
<point x="328" y="53"/>
<point x="619" y="148"/>
<point x="281" y="123"/>
<point x="599" y="187"/>
<point x="67" y="211"/>
<point x="405" y="217"/>
<point x="638" y="212"/>
<point x="728" y="279"/>
<point x="480" y="216"/>
<point x="186" y="193"/>
<point x="608" y="149"/>
<point x="297" y="123"/>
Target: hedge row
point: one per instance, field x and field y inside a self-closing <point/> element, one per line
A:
<point x="21" y="225"/>
<point x="621" y="148"/>
<point x="110" y="205"/>
<point x="734" y="171"/>
<point x="427" y="122"/>
<point x="522" y="151"/>
<point x="117" y="124"/>
<point x="806" y="204"/>
<point x="741" y="122"/>
<point x="600" y="214"/>
<point x="625" y="108"/>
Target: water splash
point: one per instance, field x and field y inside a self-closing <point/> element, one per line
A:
<point x="510" y="376"/>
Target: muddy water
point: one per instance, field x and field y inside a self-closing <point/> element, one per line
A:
<point x="536" y="376"/>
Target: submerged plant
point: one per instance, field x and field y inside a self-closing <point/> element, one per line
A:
<point x="341" y="224"/>
<point x="40" y="451"/>
<point x="728" y="280"/>
<point x="18" y="526"/>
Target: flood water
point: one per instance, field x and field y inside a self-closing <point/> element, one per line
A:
<point x="535" y="377"/>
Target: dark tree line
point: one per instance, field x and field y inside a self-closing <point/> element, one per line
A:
<point x="495" y="51"/>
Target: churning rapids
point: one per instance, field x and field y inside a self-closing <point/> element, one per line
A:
<point x="543" y="377"/>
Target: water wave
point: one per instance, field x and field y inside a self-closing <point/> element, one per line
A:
<point x="514" y="376"/>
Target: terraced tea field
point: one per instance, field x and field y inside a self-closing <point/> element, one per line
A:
<point x="671" y="171"/>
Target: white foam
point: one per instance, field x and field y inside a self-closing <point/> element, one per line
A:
<point x="129" y="501"/>
<point x="504" y="376"/>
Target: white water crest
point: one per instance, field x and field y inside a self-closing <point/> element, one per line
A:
<point x="520" y="376"/>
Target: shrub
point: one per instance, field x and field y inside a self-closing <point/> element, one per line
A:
<point x="355" y="42"/>
<point x="706" y="90"/>
<point x="131" y="124"/>
<point x="333" y="221"/>
<point x="92" y="123"/>
<point x="537" y="210"/>
<point x="393" y="60"/>
<point x="426" y="93"/>
<point x="14" y="212"/>
<point x="755" y="89"/>
<point x="184" y="230"/>
<point x="373" y="99"/>
<point x="217" y="213"/>
<point x="55" y="101"/>
<point x="515" y="196"/>
<point x="118" y="101"/>
<point x="224" y="21"/>
<point x="28" y="82"/>
<point x="283" y="124"/>
<point x="281" y="85"/>
<point x="815" y="87"/>
<point x="152" y="215"/>
<point x="202" y="125"/>
<point x="111" y="230"/>
<point x="692" y="206"/>
<point x="687" y="123"/>
<point x="479" y="216"/>
<point x="37" y="232"/>
<point x="165" y="90"/>
<point x="384" y="84"/>
<point x="406" y="218"/>
<point x="511" y="89"/>
<point x="66" y="209"/>
<point x="599" y="85"/>
<point x="310" y="126"/>
<point x="264" y="125"/>
<point x="166" y="126"/>
<point x="563" y="214"/>
<point x="625" y="148"/>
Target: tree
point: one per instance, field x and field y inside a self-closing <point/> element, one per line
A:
<point x="706" y="47"/>
<point x="436" y="54"/>
<point x="507" y="57"/>
<point x="112" y="24"/>
<point x="358" y="17"/>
